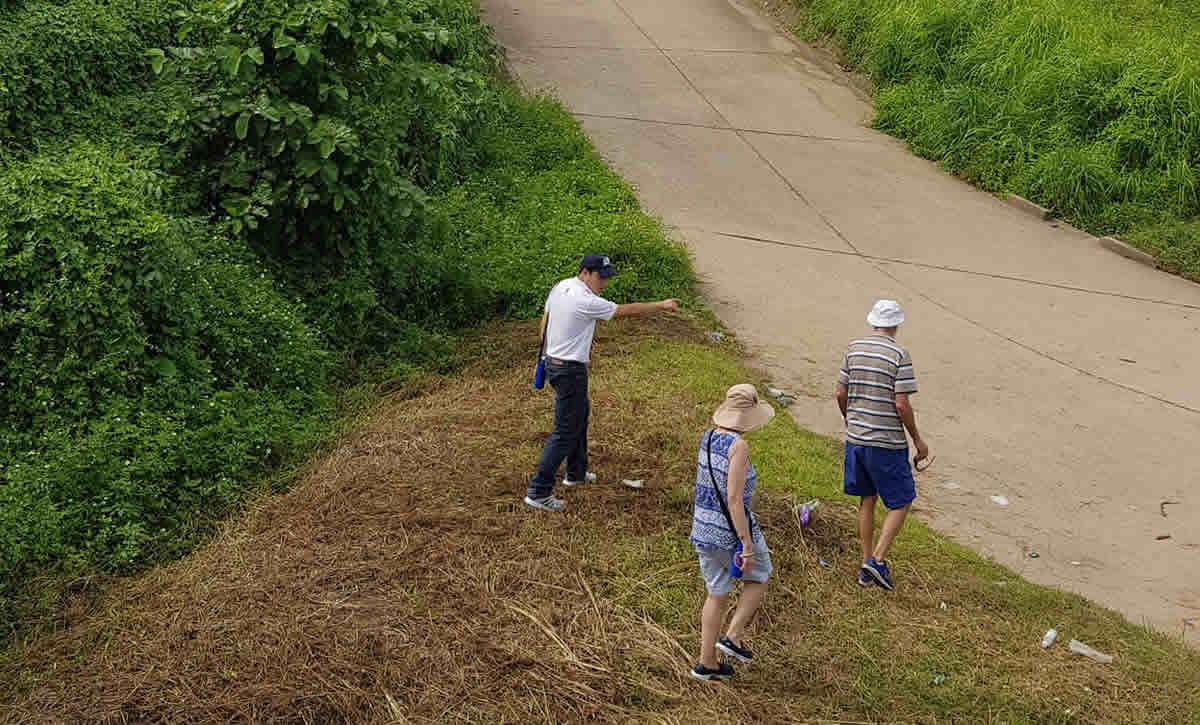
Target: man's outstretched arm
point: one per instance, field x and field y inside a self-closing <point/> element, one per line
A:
<point x="645" y="308"/>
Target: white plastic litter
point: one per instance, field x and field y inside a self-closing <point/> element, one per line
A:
<point x="1080" y="648"/>
<point x="782" y="397"/>
<point x="633" y="484"/>
<point x="1048" y="638"/>
<point x="1000" y="500"/>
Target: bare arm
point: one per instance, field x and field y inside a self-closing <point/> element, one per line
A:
<point x="542" y="333"/>
<point x="735" y="484"/>
<point x="843" y="399"/>
<point x="645" y="308"/>
<point x="905" y="410"/>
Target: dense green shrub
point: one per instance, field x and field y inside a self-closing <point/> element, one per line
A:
<point x="313" y="114"/>
<point x="149" y="364"/>
<point x="58" y="60"/>
<point x="1087" y="106"/>
<point x="317" y="130"/>
<point x="390" y="276"/>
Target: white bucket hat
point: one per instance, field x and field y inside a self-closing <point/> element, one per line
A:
<point x="886" y="313"/>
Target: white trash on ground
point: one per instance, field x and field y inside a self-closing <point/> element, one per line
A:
<point x="782" y="397"/>
<point x="1048" y="638"/>
<point x="1080" y="648"/>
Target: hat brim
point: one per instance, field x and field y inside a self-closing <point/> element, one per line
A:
<point x="604" y="272"/>
<point x="744" y="420"/>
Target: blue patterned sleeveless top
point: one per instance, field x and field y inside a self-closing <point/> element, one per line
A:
<point x="709" y="528"/>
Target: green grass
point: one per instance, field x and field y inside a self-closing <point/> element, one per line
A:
<point x="1088" y="107"/>
<point x="544" y="199"/>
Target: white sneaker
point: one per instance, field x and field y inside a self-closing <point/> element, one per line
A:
<point x="588" y="477"/>
<point x="549" y="503"/>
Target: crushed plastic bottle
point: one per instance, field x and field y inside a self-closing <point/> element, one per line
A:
<point x="1080" y="648"/>
<point x="1048" y="638"/>
<point x="804" y="511"/>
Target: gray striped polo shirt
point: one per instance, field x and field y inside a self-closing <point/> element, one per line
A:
<point x="874" y="370"/>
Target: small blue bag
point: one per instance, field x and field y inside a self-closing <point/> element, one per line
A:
<point x="539" y="375"/>
<point x="539" y="372"/>
<point x="735" y="566"/>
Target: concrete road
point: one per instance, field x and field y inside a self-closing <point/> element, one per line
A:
<point x="1052" y="371"/>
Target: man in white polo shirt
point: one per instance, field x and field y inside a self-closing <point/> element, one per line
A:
<point x="568" y="324"/>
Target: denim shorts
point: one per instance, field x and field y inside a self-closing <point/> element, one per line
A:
<point x="883" y="472"/>
<point x="714" y="567"/>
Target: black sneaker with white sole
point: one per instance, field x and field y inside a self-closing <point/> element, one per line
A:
<point x="724" y="671"/>
<point x="741" y="654"/>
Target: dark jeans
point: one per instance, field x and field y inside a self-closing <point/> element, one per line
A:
<point x="569" y="439"/>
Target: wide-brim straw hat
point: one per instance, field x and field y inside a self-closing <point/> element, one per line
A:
<point x="742" y="410"/>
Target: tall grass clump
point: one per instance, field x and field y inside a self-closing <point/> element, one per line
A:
<point x="1089" y="107"/>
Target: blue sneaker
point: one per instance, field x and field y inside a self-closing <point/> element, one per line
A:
<point x="879" y="572"/>
<point x="865" y="579"/>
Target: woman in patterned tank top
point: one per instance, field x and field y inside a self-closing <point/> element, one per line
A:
<point x="730" y="478"/>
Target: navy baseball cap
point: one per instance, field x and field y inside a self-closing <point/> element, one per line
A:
<point x="598" y="263"/>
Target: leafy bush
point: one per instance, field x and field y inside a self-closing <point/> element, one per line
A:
<point x="312" y="114"/>
<point x="149" y="366"/>
<point x="60" y="59"/>
<point x="1088" y="107"/>
<point x="317" y="129"/>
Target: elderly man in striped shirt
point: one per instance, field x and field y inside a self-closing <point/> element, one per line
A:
<point x="873" y="392"/>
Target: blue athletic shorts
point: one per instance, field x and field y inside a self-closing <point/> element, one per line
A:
<point x="883" y="472"/>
